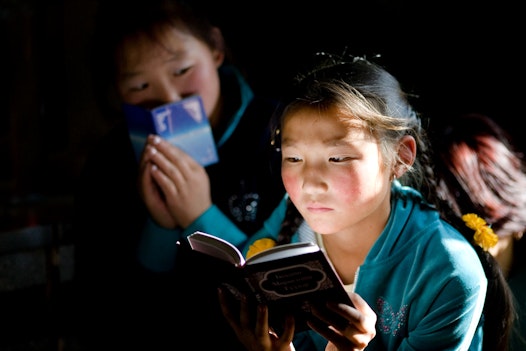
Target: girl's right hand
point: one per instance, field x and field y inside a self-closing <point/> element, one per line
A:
<point x="355" y="333"/>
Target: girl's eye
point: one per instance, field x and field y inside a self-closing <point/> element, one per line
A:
<point x="292" y="159"/>
<point x="339" y="159"/>
<point x="139" y="87"/>
<point x="182" y="71"/>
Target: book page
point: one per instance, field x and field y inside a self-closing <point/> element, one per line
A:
<point x="216" y="247"/>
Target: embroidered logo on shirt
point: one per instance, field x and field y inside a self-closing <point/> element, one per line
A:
<point x="390" y="322"/>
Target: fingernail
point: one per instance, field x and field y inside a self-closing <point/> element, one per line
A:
<point x="156" y="139"/>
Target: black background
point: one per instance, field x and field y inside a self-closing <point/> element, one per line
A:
<point x="457" y="56"/>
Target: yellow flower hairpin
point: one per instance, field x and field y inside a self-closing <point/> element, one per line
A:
<point x="260" y="245"/>
<point x="484" y="235"/>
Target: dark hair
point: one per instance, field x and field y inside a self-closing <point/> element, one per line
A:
<point x="370" y="93"/>
<point x="480" y="171"/>
<point x="366" y="91"/>
<point x="118" y="20"/>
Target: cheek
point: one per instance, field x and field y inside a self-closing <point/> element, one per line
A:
<point x="206" y="83"/>
<point x="344" y="184"/>
<point x="291" y="183"/>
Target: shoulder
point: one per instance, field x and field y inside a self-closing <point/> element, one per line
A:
<point x="444" y="249"/>
<point x="261" y="110"/>
<point x="272" y="224"/>
<point x="415" y="226"/>
<point x="233" y="80"/>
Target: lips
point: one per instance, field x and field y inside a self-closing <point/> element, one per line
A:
<point x="317" y="208"/>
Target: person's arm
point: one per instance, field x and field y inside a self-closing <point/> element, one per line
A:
<point x="452" y="322"/>
<point x="158" y="245"/>
<point x="215" y="222"/>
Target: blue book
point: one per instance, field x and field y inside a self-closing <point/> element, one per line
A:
<point x="183" y="123"/>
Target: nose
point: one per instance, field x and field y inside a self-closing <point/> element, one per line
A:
<point x="159" y="94"/>
<point x="314" y="180"/>
<point x="166" y="92"/>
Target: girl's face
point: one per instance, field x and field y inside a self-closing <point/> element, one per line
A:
<point x="177" y="65"/>
<point x="333" y="174"/>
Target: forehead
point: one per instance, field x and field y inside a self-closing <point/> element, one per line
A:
<point x="307" y="124"/>
<point x="142" y="47"/>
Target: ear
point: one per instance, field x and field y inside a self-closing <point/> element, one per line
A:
<point x="406" y="153"/>
<point x="218" y="51"/>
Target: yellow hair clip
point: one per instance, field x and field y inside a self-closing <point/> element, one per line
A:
<point x="484" y="235"/>
<point x="260" y="245"/>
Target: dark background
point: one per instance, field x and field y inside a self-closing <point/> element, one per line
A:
<point x="457" y="56"/>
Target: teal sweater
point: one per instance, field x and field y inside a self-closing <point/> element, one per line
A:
<point x="422" y="278"/>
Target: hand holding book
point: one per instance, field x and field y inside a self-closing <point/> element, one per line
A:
<point x="290" y="279"/>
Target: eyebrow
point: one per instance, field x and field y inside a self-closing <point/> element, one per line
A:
<point x="338" y="141"/>
<point x="175" y="56"/>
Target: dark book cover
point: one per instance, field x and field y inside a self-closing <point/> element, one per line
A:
<point x="290" y="279"/>
<point x="293" y="285"/>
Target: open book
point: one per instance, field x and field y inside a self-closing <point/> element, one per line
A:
<point x="288" y="278"/>
<point x="183" y="123"/>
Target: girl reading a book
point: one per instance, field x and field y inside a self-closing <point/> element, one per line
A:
<point x="355" y="165"/>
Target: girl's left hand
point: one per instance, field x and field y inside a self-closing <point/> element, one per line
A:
<point x="256" y="336"/>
